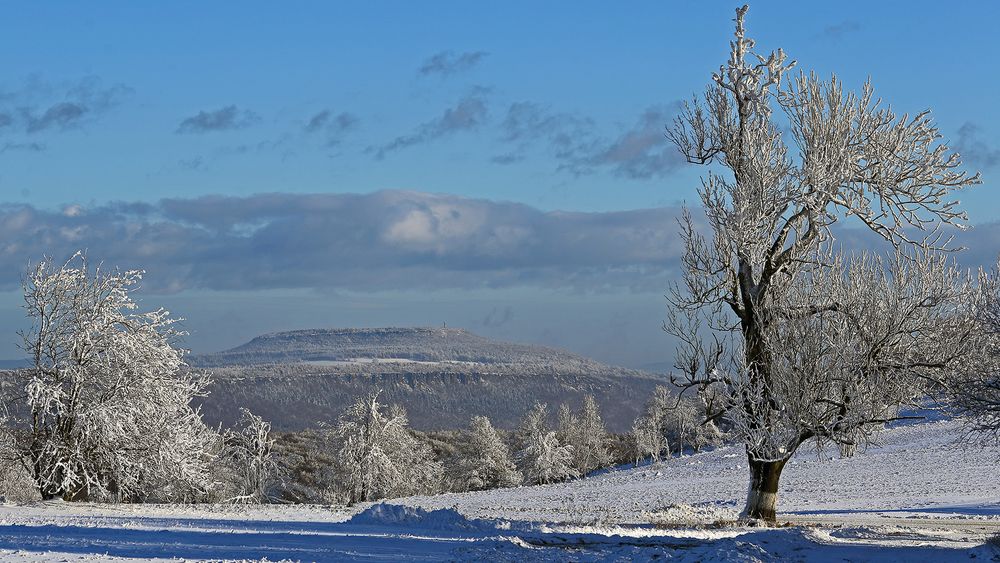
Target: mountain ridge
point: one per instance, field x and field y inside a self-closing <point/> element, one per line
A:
<point x="410" y="343"/>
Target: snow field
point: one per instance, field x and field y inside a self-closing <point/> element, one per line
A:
<point x="917" y="496"/>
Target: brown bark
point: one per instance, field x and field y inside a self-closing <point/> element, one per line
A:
<point x="762" y="498"/>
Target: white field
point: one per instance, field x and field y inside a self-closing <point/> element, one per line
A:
<point x="917" y="496"/>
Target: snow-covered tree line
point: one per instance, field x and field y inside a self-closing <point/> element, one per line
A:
<point x="671" y="423"/>
<point x="377" y="456"/>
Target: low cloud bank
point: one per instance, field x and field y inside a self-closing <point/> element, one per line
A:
<point x="379" y="241"/>
<point x="387" y="240"/>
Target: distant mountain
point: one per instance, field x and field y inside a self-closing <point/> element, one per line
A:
<point x="656" y="367"/>
<point x="443" y="377"/>
<point x="420" y="344"/>
<point x="14" y="364"/>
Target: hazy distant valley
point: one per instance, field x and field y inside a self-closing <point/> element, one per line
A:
<point x="442" y="376"/>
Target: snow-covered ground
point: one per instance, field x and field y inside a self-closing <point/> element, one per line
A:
<point x="917" y="496"/>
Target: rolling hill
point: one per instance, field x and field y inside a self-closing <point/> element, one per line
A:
<point x="419" y="344"/>
<point x="443" y="377"/>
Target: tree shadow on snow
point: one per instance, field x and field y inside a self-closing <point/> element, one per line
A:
<point x="305" y="541"/>
<point x="346" y="541"/>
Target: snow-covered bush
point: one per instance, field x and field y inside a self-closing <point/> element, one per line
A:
<point x="106" y="412"/>
<point x="542" y="458"/>
<point x="16" y="484"/>
<point x="487" y="462"/>
<point x="584" y="431"/>
<point x="377" y="457"/>
<point x="247" y="459"/>
<point x="306" y="468"/>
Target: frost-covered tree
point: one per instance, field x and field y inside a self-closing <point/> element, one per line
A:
<point x="542" y="458"/>
<point x="487" y="462"/>
<point x="648" y="440"/>
<point x="669" y="421"/>
<point x="377" y="456"/>
<point x="584" y="431"/>
<point x="806" y="341"/>
<point x="545" y="460"/>
<point x="248" y="458"/>
<point x="649" y="432"/>
<point x="975" y="391"/>
<point x="687" y="426"/>
<point x="105" y="411"/>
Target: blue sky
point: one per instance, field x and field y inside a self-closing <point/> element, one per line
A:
<point x="124" y="124"/>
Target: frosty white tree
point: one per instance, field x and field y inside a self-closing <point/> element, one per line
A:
<point x="584" y="431"/>
<point x="669" y="421"/>
<point x="686" y="423"/>
<point x="805" y="342"/>
<point x="975" y="392"/>
<point x="488" y="464"/>
<point x="249" y="458"/>
<point x="377" y="457"/>
<point x="107" y="403"/>
<point x="542" y="458"/>
<point x="647" y="440"/>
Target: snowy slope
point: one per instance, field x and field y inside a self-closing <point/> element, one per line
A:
<point x="914" y="468"/>
<point x="918" y="496"/>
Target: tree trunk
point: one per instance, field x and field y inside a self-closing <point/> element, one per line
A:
<point x="762" y="497"/>
<point x="847" y="450"/>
